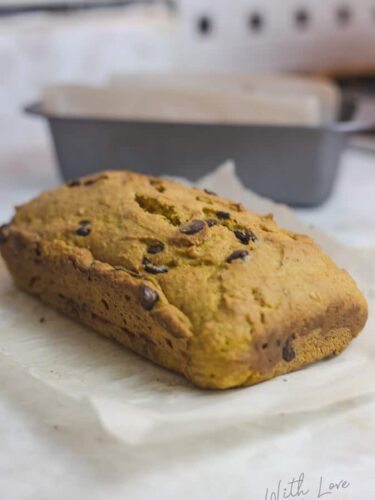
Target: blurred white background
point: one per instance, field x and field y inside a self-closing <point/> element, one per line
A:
<point x="36" y="49"/>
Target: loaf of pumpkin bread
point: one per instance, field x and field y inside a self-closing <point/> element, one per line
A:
<point x="193" y="282"/>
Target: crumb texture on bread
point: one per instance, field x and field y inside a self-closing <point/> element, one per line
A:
<point x="193" y="282"/>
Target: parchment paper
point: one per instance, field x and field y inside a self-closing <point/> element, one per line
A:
<point x="140" y="403"/>
<point x="199" y="103"/>
<point x="271" y="86"/>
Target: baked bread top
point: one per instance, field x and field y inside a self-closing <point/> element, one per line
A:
<point x="242" y="286"/>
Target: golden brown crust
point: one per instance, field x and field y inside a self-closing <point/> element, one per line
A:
<point x="191" y="281"/>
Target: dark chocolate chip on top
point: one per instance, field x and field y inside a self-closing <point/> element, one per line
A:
<point x="155" y="247"/>
<point x="74" y="183"/>
<point x="83" y="231"/>
<point x="223" y="215"/>
<point x="148" y="297"/>
<point x="212" y="193"/>
<point x="237" y="254"/>
<point x="89" y="182"/>
<point x="84" y="222"/>
<point x="245" y="236"/>
<point x="192" y="227"/>
<point x="211" y="222"/>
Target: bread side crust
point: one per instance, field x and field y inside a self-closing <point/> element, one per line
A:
<point x="285" y="347"/>
<point x="99" y="296"/>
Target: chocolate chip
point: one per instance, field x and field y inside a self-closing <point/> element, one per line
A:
<point x="73" y="183"/>
<point x="155" y="248"/>
<point x="42" y="319"/>
<point x="245" y="235"/>
<point x="83" y="231"/>
<point x="288" y="351"/>
<point x="153" y="268"/>
<point x="84" y="222"/>
<point x="211" y="222"/>
<point x="237" y="254"/>
<point x="89" y="182"/>
<point x="192" y="227"/>
<point x="93" y="180"/>
<point x="223" y="215"/>
<point x="148" y="297"/>
<point x="212" y="193"/>
<point x="252" y="236"/>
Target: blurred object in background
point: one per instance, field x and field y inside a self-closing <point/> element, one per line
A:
<point x="290" y="98"/>
<point x="285" y="133"/>
<point x="333" y="37"/>
<point x="363" y="88"/>
<point x="191" y="98"/>
<point x="65" y="6"/>
<point x="85" y="42"/>
<point x="37" y="49"/>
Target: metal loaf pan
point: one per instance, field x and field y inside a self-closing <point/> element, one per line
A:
<point x="294" y="165"/>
